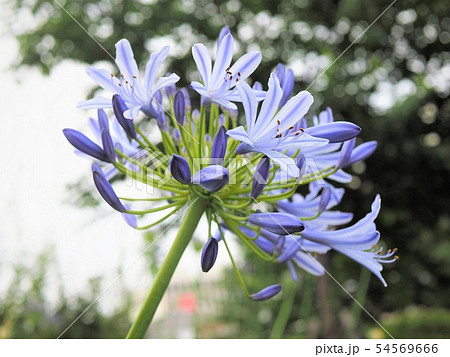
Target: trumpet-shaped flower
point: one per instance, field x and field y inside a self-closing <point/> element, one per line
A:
<point x="219" y="80"/>
<point x="137" y="94"/>
<point x="271" y="132"/>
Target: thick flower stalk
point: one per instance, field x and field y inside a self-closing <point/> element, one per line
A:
<point x="240" y="168"/>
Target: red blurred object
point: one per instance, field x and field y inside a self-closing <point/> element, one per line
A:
<point x="187" y="302"/>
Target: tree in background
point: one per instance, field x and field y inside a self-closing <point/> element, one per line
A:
<point x="397" y="73"/>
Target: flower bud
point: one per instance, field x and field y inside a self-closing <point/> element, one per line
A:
<point x="257" y="86"/>
<point x="180" y="170"/>
<point x="335" y="132"/>
<point x="119" y="107"/>
<point x="277" y="222"/>
<point x="219" y="146"/>
<point x="176" y="135"/>
<point x="102" y="120"/>
<point x="161" y="121"/>
<point x="212" y="178"/>
<point x="84" y="144"/>
<point x="324" y="199"/>
<point x="260" y="177"/>
<point x="187" y="98"/>
<point x="221" y="119"/>
<point x="179" y="107"/>
<point x="105" y="189"/>
<point x="195" y="115"/>
<point x="267" y="293"/>
<point x="209" y="254"/>
<point x="108" y="146"/>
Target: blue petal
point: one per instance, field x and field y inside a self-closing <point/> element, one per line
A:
<point x="125" y="59"/>
<point x="346" y="152"/>
<point x="269" y="106"/>
<point x="223" y="59"/>
<point x="250" y="104"/>
<point x="240" y="134"/>
<point x="95" y="103"/>
<point x="246" y="65"/>
<point x="362" y="152"/>
<point x="203" y="62"/>
<point x="102" y="77"/>
<point x="152" y="67"/>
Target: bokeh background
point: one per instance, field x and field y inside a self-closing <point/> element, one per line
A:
<point x="61" y="247"/>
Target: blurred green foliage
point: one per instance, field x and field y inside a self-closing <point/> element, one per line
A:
<point x="393" y="82"/>
<point x="26" y="310"/>
<point x="416" y="322"/>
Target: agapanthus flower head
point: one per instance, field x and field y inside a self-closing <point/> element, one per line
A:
<point x="243" y="178"/>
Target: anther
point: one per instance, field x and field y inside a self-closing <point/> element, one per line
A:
<point x="395" y="249"/>
<point x="396" y="257"/>
<point x="278" y="121"/>
<point x="134" y="77"/>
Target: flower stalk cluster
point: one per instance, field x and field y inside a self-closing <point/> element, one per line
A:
<point x="245" y="166"/>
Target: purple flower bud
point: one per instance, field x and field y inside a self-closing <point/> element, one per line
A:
<point x="179" y="107"/>
<point x="170" y="90"/>
<point x="108" y="146"/>
<point x="84" y="144"/>
<point x="346" y="152"/>
<point x="119" y="107"/>
<point x="209" y="254"/>
<point x="257" y="86"/>
<point x="324" y="199"/>
<point x="221" y="119"/>
<point x="180" y="170"/>
<point x="105" y="189"/>
<point x="267" y="293"/>
<point x="212" y="178"/>
<point x="187" y="98"/>
<point x="176" y="136"/>
<point x="301" y="164"/>
<point x="260" y="177"/>
<point x="362" y="152"/>
<point x="233" y="113"/>
<point x="277" y="222"/>
<point x="219" y="146"/>
<point x="195" y="115"/>
<point x="335" y="132"/>
<point x="279" y="244"/>
<point x="161" y="121"/>
<point x="207" y="138"/>
<point x="102" y="120"/>
<point x="223" y="32"/>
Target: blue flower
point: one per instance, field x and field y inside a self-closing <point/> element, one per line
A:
<point x="219" y="80"/>
<point x="137" y="95"/>
<point x="272" y="131"/>
<point x="260" y="177"/>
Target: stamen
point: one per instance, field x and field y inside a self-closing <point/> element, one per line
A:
<point x="134" y="77"/>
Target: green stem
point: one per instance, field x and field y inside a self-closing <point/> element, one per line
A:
<point x="284" y="313"/>
<point x="361" y="294"/>
<point x="185" y="232"/>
